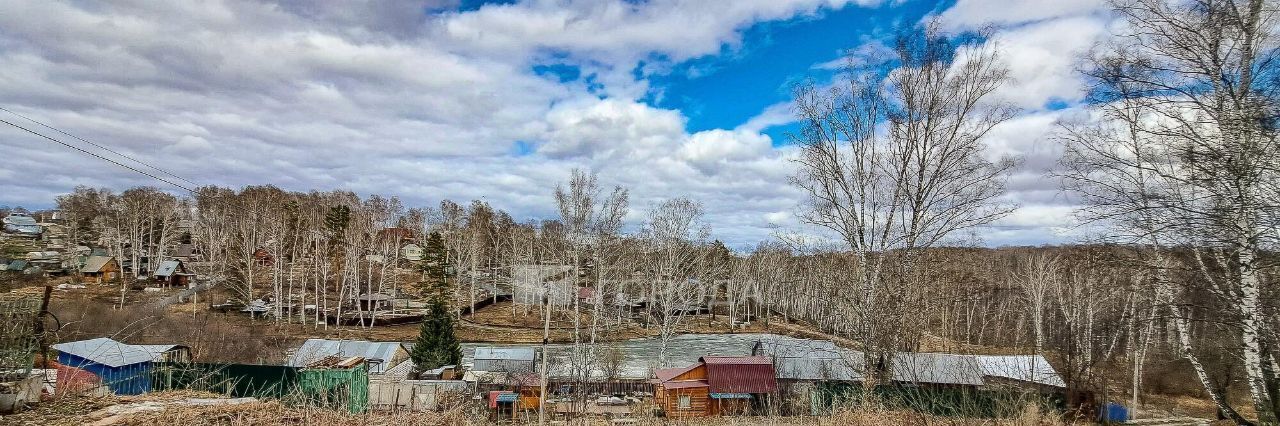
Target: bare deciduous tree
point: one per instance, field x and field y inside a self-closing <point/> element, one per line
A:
<point x="1181" y="151"/>
<point x="893" y="162"/>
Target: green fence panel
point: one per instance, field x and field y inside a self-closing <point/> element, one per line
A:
<point x="336" y="388"/>
<point x="236" y="380"/>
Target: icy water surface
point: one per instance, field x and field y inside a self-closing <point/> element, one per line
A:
<point x="640" y="356"/>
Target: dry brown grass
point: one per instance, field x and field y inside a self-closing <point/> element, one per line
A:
<point x="170" y="409"/>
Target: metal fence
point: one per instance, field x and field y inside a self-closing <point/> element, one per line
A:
<point x="18" y="338"/>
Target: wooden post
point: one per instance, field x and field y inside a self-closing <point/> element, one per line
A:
<point x="39" y="325"/>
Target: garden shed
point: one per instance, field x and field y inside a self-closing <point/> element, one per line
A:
<point x="103" y="365"/>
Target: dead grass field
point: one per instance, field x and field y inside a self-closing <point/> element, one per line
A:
<point x="195" y="408"/>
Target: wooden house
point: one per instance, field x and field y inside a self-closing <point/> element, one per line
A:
<point x="374" y="302"/>
<point x="263" y="258"/>
<point x="100" y="270"/>
<point x="682" y="392"/>
<point x="716" y="385"/>
<point x="172" y="273"/>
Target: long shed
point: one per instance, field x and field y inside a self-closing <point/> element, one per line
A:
<point x="511" y="360"/>
<point x="103" y="365"/>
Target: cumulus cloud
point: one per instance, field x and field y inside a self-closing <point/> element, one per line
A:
<point x="409" y="98"/>
<point x="1043" y="63"/>
<point x="611" y="129"/>
<point x="773" y="115"/>
<point x="425" y="101"/>
<point x="970" y="14"/>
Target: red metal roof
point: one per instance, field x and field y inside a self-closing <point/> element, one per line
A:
<point x="736" y="360"/>
<point x="740" y="374"/>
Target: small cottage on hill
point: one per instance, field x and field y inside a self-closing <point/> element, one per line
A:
<point x="172" y="273"/>
<point x="100" y="270"/>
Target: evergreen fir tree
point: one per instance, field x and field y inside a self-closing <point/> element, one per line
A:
<point x="437" y="344"/>
<point x="435" y="265"/>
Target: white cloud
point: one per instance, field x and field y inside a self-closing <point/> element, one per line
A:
<point x="712" y="148"/>
<point x="974" y="14"/>
<point x="381" y="98"/>
<point x="612" y="129"/>
<point x="773" y="115"/>
<point x="1043" y="62"/>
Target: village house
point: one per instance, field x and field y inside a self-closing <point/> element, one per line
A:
<point x="17" y="266"/>
<point x="102" y="365"/>
<point x="172" y="273"/>
<point x="716" y="385"/>
<point x="374" y="302"/>
<point x="100" y="270"/>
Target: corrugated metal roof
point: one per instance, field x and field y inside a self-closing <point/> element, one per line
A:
<point x="513" y="354"/>
<point x="799" y="348"/>
<point x="1026" y="368"/>
<point x="740" y="374"/>
<point x="316" y="349"/>
<point x="399" y="371"/>
<point x="802" y="359"/>
<point x="95" y="263"/>
<point x="819" y="369"/>
<point x="936" y="368"/>
<point x="736" y="360"/>
<point x="168" y="268"/>
<point x="111" y="353"/>
<point x="19" y="219"/>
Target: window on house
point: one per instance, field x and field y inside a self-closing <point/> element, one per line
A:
<point x="686" y="401"/>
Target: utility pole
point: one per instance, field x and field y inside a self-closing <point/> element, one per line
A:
<point x="542" y="366"/>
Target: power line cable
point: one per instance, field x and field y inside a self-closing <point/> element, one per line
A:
<point x="99" y="156"/>
<point x="99" y="146"/>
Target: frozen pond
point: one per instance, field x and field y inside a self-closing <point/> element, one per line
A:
<point x="640" y="356"/>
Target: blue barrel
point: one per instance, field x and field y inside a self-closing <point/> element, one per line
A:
<point x="1114" y="413"/>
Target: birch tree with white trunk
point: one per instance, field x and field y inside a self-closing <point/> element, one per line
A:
<point x="894" y="162"/>
<point x="1181" y="151"/>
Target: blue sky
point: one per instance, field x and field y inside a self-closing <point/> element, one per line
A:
<point x="724" y="91"/>
<point x="433" y="99"/>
